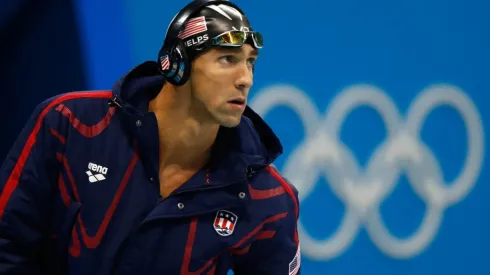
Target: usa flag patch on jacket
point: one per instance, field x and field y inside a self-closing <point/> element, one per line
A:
<point x="225" y="222"/>
<point x="295" y="263"/>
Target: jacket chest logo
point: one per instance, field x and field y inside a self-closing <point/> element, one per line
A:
<point x="96" y="172"/>
<point x="225" y="222"/>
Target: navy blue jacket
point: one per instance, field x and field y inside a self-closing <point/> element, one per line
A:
<point x="79" y="194"/>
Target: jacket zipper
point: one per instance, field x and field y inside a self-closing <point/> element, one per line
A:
<point x="249" y="174"/>
<point x="161" y="198"/>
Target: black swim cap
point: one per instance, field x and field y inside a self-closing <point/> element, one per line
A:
<point x="209" y="22"/>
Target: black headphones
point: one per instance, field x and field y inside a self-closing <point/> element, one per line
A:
<point x="173" y="50"/>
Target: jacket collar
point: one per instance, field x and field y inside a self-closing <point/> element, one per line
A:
<point x="251" y="143"/>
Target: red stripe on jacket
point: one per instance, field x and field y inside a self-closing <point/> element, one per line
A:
<point x="16" y="173"/>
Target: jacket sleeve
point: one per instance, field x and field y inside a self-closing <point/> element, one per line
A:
<point x="27" y="181"/>
<point x="279" y="255"/>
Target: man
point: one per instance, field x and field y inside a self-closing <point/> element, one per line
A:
<point x="174" y="176"/>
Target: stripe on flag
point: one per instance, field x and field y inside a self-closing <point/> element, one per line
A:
<point x="193" y="27"/>
<point x="295" y="264"/>
<point x="164" y="63"/>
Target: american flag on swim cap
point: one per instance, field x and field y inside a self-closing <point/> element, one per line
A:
<point x="193" y="26"/>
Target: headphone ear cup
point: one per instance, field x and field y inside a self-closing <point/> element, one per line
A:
<point x="178" y="66"/>
<point x="184" y="64"/>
